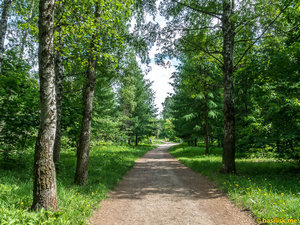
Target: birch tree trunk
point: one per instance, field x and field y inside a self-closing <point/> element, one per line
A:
<point x="3" y="27"/>
<point x="59" y="70"/>
<point x="44" y="186"/>
<point x="24" y="39"/>
<point x="228" y="162"/>
<point x="83" y="150"/>
<point x="59" y="95"/>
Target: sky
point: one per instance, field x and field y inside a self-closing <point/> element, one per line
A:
<point x="161" y="78"/>
<point x="160" y="75"/>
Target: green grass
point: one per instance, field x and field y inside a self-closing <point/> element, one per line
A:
<point x="267" y="187"/>
<point x="76" y="203"/>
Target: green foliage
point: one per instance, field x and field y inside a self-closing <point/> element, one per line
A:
<point x="268" y="113"/>
<point x="168" y="130"/>
<point x="197" y="98"/>
<point x="19" y="107"/>
<point x="266" y="73"/>
<point x="76" y="203"/>
<point x="274" y="194"/>
<point x="105" y="124"/>
<point x="136" y="102"/>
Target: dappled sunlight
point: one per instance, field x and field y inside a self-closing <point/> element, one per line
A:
<point x="158" y="173"/>
<point x="266" y="186"/>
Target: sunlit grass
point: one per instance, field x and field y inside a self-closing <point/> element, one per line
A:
<point x="76" y="203"/>
<point x="269" y="188"/>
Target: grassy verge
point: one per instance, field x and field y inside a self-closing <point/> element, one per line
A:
<point x="107" y="166"/>
<point x="269" y="188"/>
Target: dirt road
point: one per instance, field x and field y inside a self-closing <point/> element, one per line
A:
<point x="160" y="191"/>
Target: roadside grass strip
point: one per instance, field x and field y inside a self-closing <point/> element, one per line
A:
<point x="108" y="164"/>
<point x="269" y="188"/>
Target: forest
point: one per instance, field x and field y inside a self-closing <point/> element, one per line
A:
<point x="77" y="109"/>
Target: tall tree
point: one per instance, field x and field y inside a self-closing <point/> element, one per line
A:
<point x="83" y="149"/>
<point x="25" y="31"/>
<point x="213" y="28"/>
<point x="105" y="33"/>
<point x="136" y="101"/>
<point x="228" y="32"/>
<point x="44" y="186"/>
<point x="58" y="87"/>
<point x="3" y="27"/>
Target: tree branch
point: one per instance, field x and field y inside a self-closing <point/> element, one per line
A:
<point x="207" y="51"/>
<point x="246" y="40"/>
<point x="214" y="14"/>
<point x="192" y="29"/>
<point x="259" y="37"/>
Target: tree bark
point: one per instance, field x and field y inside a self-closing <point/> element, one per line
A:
<point x="3" y="27"/>
<point x="292" y="146"/>
<point x="26" y="30"/>
<point x="206" y="128"/>
<point x="59" y="95"/>
<point x="83" y="150"/>
<point x="44" y="186"/>
<point x="228" y="162"/>
<point x="136" y="140"/>
<point x="206" y="115"/>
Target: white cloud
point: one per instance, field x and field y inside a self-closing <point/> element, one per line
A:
<point x="161" y="78"/>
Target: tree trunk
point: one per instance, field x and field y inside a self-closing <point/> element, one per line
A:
<point x="44" y="186"/>
<point x="136" y="140"/>
<point x="278" y="146"/>
<point x="228" y="162"/>
<point x="59" y="95"/>
<point x="195" y="142"/>
<point x="206" y="115"/>
<point x="26" y="30"/>
<point x="3" y="27"/>
<point x="292" y="146"/>
<point x="246" y="96"/>
<point x="206" y="129"/>
<point x="83" y="151"/>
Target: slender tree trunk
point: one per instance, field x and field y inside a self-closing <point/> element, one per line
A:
<point x="44" y="186"/>
<point x="3" y="27"/>
<point x="246" y="96"/>
<point x="83" y="151"/>
<point x="136" y="140"/>
<point x="59" y="95"/>
<point x="278" y="145"/>
<point x="195" y="142"/>
<point x="24" y="39"/>
<point x="206" y="115"/>
<point x="206" y="129"/>
<point x="228" y="162"/>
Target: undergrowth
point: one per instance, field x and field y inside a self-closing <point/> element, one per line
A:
<point x="108" y="164"/>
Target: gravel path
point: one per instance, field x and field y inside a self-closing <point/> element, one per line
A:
<point x="159" y="191"/>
